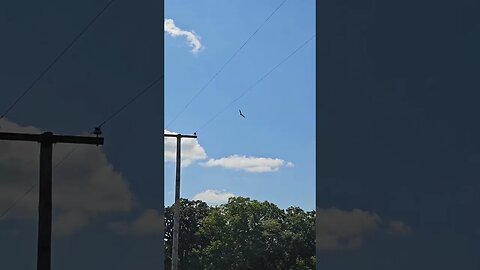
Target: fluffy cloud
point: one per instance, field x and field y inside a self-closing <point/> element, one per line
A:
<point x="398" y="227"/>
<point x="148" y="223"/>
<point x="191" y="150"/>
<point x="213" y="197"/>
<point x="248" y="164"/>
<point x="192" y="38"/>
<point x="84" y="186"/>
<point x="342" y="230"/>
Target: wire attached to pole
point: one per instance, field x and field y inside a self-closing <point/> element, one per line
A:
<point x="109" y="118"/>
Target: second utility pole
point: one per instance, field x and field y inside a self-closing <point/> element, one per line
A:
<point x="176" y="209"/>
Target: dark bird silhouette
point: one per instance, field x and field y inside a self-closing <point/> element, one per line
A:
<point x="241" y="114"/>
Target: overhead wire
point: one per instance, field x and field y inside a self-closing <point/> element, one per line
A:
<point x="30" y="87"/>
<point x="109" y="118"/>
<point x="139" y="94"/>
<point x="254" y="84"/>
<point x="226" y="63"/>
<point x="57" y="58"/>
<point x="31" y="188"/>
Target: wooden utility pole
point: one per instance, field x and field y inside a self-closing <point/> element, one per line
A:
<point x="46" y="141"/>
<point x="176" y="209"/>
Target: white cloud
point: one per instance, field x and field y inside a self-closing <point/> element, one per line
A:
<point x="248" y="164"/>
<point x="341" y="230"/>
<point x="174" y="31"/>
<point x="213" y="197"/>
<point x="149" y="223"/>
<point x="191" y="150"/>
<point x="338" y="230"/>
<point x="399" y="227"/>
<point x="69" y="222"/>
<point x="84" y="186"/>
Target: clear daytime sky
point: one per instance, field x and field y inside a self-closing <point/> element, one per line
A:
<point x="107" y="200"/>
<point x="236" y="155"/>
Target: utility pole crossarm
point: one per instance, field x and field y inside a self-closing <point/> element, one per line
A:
<point x="46" y="141"/>
<point x="48" y="137"/>
<point x="181" y="135"/>
<point x="176" y="210"/>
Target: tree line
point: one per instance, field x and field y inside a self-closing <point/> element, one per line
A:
<point x="241" y="234"/>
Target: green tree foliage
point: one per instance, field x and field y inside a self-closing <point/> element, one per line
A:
<point x="191" y="215"/>
<point x="242" y="234"/>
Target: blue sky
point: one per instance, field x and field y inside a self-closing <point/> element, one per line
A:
<point x="280" y="111"/>
<point x="398" y="153"/>
<point x="108" y="199"/>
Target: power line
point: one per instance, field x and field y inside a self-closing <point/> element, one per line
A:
<point x="57" y="58"/>
<point x="257" y="82"/>
<point x="109" y="118"/>
<point x="30" y="189"/>
<point x="226" y="63"/>
<point x="7" y="210"/>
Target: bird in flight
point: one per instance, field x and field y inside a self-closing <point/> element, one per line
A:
<point x="241" y="114"/>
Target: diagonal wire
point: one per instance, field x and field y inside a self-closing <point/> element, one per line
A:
<point x="30" y="87"/>
<point x="109" y="118"/>
<point x="33" y="186"/>
<point x="257" y="82"/>
<point x="225" y="64"/>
